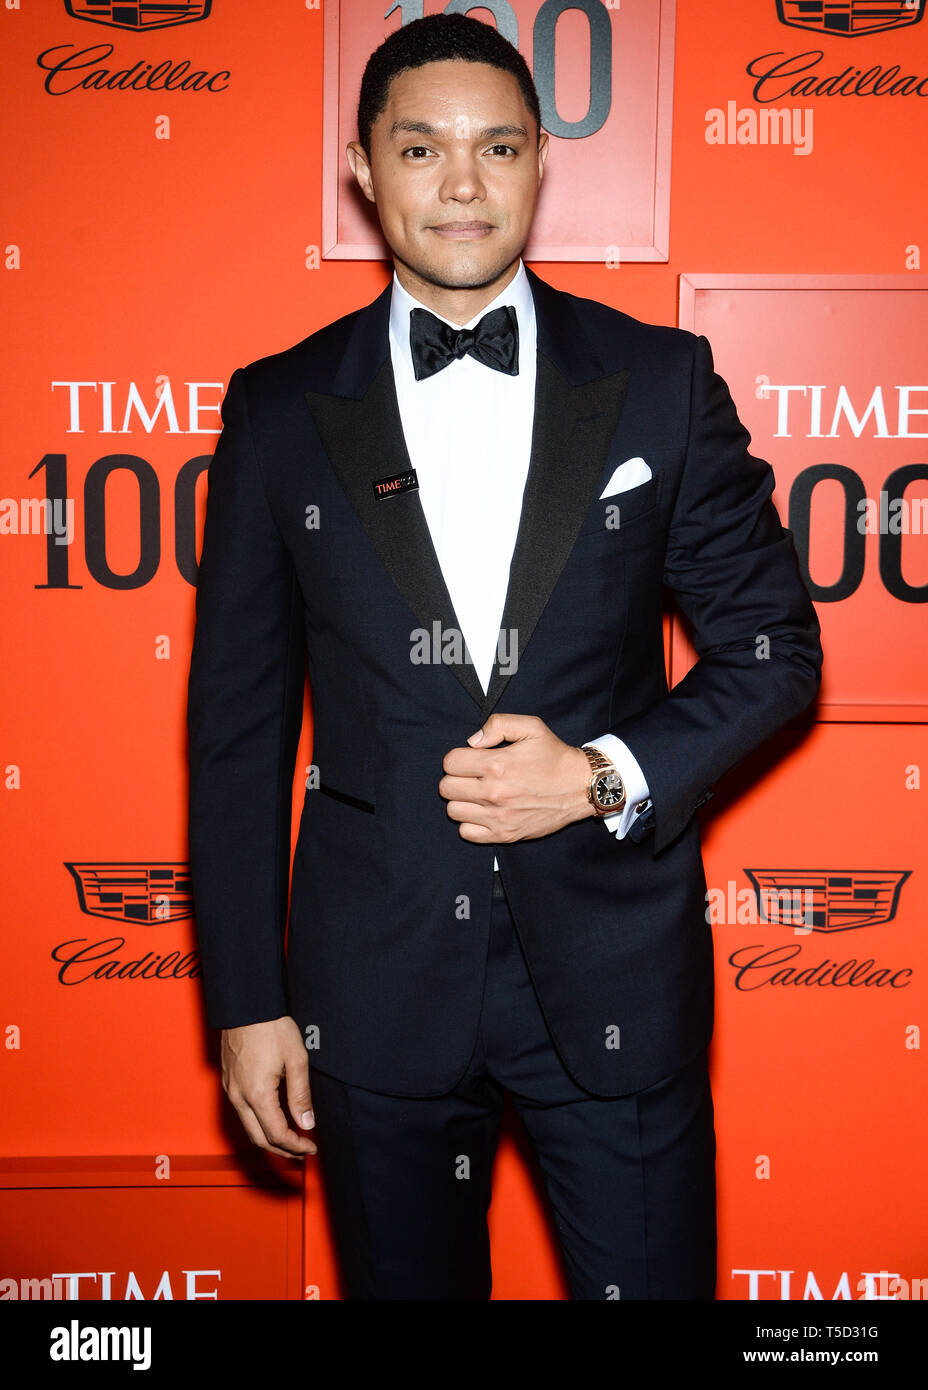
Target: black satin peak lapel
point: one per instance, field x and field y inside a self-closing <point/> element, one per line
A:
<point x="570" y="439"/>
<point x="396" y="526"/>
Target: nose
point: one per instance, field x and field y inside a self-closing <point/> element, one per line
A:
<point x="463" y="179"/>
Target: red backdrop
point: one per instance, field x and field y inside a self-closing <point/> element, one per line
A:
<point x="152" y="241"/>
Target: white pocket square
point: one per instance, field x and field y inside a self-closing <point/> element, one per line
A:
<point x="631" y="473"/>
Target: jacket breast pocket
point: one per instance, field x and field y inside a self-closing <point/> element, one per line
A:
<point x="618" y="515"/>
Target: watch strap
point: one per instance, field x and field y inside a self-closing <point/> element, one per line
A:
<point x="597" y="758"/>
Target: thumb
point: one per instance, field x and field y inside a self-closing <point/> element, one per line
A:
<point x="499" y="728"/>
<point x="489" y="734"/>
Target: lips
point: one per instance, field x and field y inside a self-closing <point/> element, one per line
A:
<point x="462" y="228"/>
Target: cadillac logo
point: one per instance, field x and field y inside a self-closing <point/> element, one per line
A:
<point x="827" y="900"/>
<point x="141" y="893"/>
<point x="850" y="18"/>
<point x="139" y="16"/>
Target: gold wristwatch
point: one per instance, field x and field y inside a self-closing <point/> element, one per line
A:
<point x="606" y="792"/>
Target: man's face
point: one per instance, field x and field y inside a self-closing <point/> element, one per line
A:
<point x="454" y="171"/>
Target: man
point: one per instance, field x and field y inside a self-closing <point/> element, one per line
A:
<point x="460" y="504"/>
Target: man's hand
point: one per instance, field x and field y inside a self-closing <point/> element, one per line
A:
<point x="254" y="1058"/>
<point x="536" y="785"/>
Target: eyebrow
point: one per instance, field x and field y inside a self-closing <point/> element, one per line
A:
<point x="423" y="128"/>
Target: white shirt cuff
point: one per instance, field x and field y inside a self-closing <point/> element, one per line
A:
<point x="636" y="786"/>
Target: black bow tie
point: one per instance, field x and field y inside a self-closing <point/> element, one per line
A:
<point x="494" y="341"/>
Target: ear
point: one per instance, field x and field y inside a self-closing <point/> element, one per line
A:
<point x="542" y="153"/>
<point x="360" y="167"/>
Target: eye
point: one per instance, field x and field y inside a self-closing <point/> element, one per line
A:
<point x="413" y="148"/>
<point x="510" y="148"/>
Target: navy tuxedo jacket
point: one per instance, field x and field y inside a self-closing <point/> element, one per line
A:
<point x="389" y="908"/>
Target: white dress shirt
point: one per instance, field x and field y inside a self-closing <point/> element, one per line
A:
<point x="468" y="431"/>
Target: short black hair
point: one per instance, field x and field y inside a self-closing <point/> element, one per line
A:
<point x="433" y="39"/>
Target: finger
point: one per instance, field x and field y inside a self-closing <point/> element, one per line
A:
<point x="256" y="1134"/>
<point x="471" y="762"/>
<point x="468" y="811"/>
<point x="469" y="814"/>
<point x="273" y="1123"/>
<point x="477" y="834"/>
<point x="465" y="789"/>
<point x="299" y="1097"/>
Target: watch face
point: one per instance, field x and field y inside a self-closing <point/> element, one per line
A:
<point x="609" y="790"/>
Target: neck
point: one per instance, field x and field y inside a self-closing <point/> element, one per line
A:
<point x="458" y="305"/>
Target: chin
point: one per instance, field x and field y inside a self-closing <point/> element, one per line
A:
<point x="462" y="268"/>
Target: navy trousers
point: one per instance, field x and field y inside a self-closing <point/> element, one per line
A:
<point x="630" y="1180"/>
